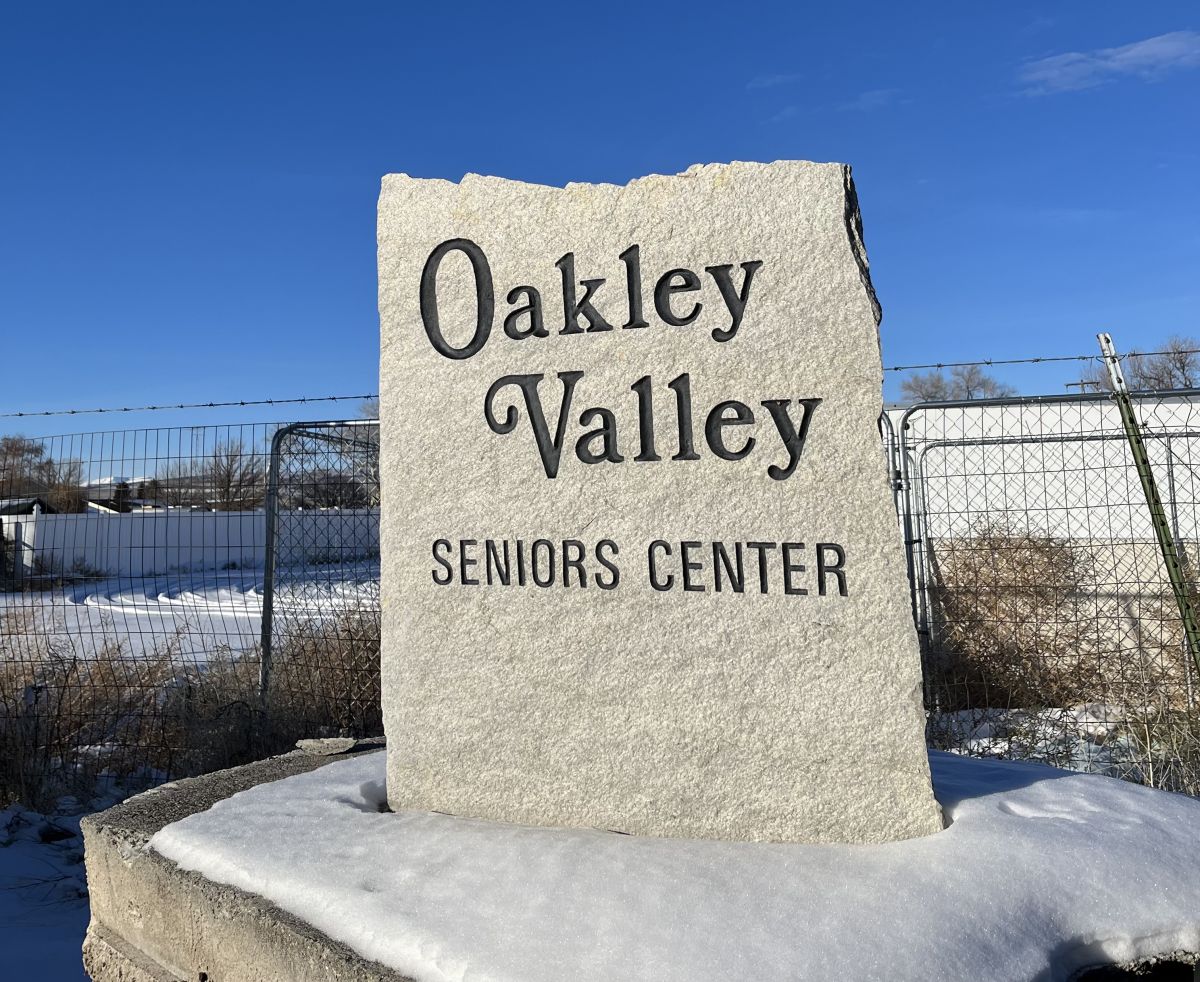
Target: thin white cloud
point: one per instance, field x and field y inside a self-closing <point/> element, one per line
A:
<point x="771" y="81"/>
<point x="1075" y="70"/>
<point x="787" y="112"/>
<point x="870" y="100"/>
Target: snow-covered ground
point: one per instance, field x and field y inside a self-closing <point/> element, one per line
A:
<point x="186" y="614"/>
<point x="1040" y="872"/>
<point x="1093" y="737"/>
<point x="43" y="897"/>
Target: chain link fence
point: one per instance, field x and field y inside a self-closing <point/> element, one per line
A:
<point x="174" y="600"/>
<point x="133" y="574"/>
<point x="320" y="623"/>
<point x="1049" y="627"/>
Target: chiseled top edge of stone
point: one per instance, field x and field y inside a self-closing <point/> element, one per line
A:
<point x="693" y="171"/>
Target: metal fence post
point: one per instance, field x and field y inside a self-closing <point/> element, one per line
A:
<point x="910" y="519"/>
<point x="271" y="507"/>
<point x="1158" y="517"/>
<point x="1173" y="505"/>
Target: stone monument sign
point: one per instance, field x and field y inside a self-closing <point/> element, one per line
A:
<point x="641" y="566"/>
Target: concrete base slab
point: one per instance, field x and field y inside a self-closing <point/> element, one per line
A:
<point x="105" y="956"/>
<point x="152" y="922"/>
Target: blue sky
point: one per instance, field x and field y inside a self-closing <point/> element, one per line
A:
<point x="187" y="192"/>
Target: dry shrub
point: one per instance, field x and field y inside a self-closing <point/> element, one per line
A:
<point x="1064" y="651"/>
<point x="325" y="676"/>
<point x="1042" y="629"/>
<point x="66" y="717"/>
<point x="1168" y="742"/>
<point x="1011" y="620"/>
<point x="1027" y="621"/>
<point x="213" y="708"/>
<point x="69" y="717"/>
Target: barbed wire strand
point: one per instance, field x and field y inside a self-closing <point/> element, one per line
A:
<point x="191" y="405"/>
<point x="990" y="362"/>
<point x="983" y="363"/>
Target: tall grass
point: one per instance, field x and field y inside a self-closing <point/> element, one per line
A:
<point x="70" y="717"/>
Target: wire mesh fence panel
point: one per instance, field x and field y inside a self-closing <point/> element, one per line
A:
<point x="1049" y="627"/>
<point x="321" y="604"/>
<point x="131" y="580"/>
<point x="178" y="599"/>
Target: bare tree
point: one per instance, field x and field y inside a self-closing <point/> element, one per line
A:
<point x="234" y="479"/>
<point x="369" y="408"/>
<point x="964" y="382"/>
<point x="20" y="458"/>
<point x="365" y="462"/>
<point x="1175" y="365"/>
<point x="63" y="484"/>
<point x="925" y="387"/>
<point x="230" y="478"/>
<point x="181" y="484"/>
<point x="337" y="469"/>
<point x="26" y="469"/>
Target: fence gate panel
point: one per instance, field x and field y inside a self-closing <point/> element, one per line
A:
<point x="1049" y="629"/>
<point x="320" y="628"/>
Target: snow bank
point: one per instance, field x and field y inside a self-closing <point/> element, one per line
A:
<point x="189" y="614"/>
<point x="43" y="894"/>
<point x="1041" y="872"/>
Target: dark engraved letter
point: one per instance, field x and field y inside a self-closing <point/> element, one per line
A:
<point x="608" y="564"/>
<point x="572" y="308"/>
<point x="666" y="548"/>
<point x="793" y="439"/>
<point x="532" y="307"/>
<point x="536" y="567"/>
<point x="485" y="300"/>
<point x="790" y="567"/>
<point x="573" y="553"/>
<point x="550" y="449"/>
<point x="645" y="419"/>
<point x="721" y="561"/>
<point x="520" y="563"/>
<point x="837" y="567"/>
<point x="716" y="422"/>
<point x="632" y="258"/>
<point x="442" y="545"/>
<point x="682" y="387"/>
<point x="735" y="301"/>
<point x="689" y="567"/>
<point x="761" y="548"/>
<point x="665" y="289"/>
<point x="502" y="570"/>
<point x="606" y="433"/>
<point x="466" y="561"/>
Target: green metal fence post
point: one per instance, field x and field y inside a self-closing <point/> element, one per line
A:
<point x="1158" y="517"/>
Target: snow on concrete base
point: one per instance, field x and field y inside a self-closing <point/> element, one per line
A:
<point x="1040" y="873"/>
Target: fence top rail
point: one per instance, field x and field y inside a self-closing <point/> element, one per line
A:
<point x="1046" y="438"/>
<point x="291" y="429"/>
<point x="267" y="426"/>
<point x="1080" y="398"/>
<point x="317" y="424"/>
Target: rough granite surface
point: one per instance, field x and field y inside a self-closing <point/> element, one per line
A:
<point x="751" y="715"/>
